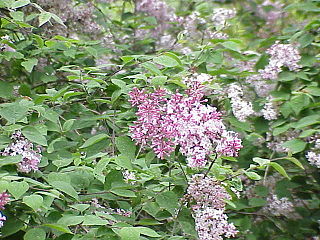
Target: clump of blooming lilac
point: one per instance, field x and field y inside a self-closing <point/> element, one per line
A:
<point x="313" y="156"/>
<point x="167" y="120"/>
<point x="208" y="198"/>
<point x="22" y="146"/>
<point x="278" y="206"/>
<point x="160" y="10"/>
<point x="4" y="199"/>
<point x="221" y="15"/>
<point x="281" y="55"/>
<point x="241" y="109"/>
<point x="270" y="111"/>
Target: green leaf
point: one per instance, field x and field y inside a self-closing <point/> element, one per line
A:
<point x="29" y="64"/>
<point x="124" y="161"/>
<point x="35" y="234"/>
<point x="14" y="112"/>
<point x="93" y="140"/>
<point x="10" y="160"/>
<point x="305" y="40"/>
<point x="126" y="146"/>
<point x="314" y="91"/>
<point x="253" y="175"/>
<point x="70" y="220"/>
<point x="6" y="89"/>
<point x="147" y="231"/>
<point x="308" y="133"/>
<point x="287" y="76"/>
<point x="166" y="61"/>
<point x="58" y="227"/>
<point x="123" y="193"/>
<point x="261" y="161"/>
<point x="90" y="220"/>
<point x="34" y="201"/>
<point x="152" y="68"/>
<point x="34" y="135"/>
<point x="295" y="145"/>
<point x="168" y="201"/>
<point x="68" y="125"/>
<point x="308" y="121"/>
<point x="66" y="188"/>
<point x="44" y="17"/>
<point x="295" y="161"/>
<point x="159" y="80"/>
<point x="257" y="202"/>
<point x="299" y="102"/>
<point x="279" y="169"/>
<point x="129" y="233"/>
<point x="231" y="45"/>
<point x="17" y="189"/>
<point x="20" y="3"/>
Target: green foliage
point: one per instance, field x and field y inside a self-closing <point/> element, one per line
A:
<point x="68" y="95"/>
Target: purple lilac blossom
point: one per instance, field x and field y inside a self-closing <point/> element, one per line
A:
<point x="166" y="120"/>
<point x="22" y="146"/>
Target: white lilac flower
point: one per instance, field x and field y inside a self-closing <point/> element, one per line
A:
<point x="212" y="224"/>
<point x="278" y="206"/>
<point x="241" y="109"/>
<point x="22" y="146"/>
<point x="313" y="158"/>
<point x="269" y="110"/>
<point x="221" y="15"/>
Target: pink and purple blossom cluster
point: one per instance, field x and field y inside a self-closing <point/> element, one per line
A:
<point x="22" y="146"/>
<point x="167" y="120"/>
<point x="208" y="197"/>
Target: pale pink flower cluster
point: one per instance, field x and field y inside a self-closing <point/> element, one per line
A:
<point x="160" y="10"/>
<point x="280" y="55"/>
<point x="208" y="197"/>
<point x="22" y="146"/>
<point x="278" y="206"/>
<point x="270" y="111"/>
<point x="166" y="120"/>
<point x="273" y="14"/>
<point x="221" y="15"/>
<point x="313" y="158"/>
<point x="241" y="109"/>
<point x="4" y="199"/>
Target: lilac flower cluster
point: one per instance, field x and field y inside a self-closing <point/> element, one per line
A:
<point x="160" y="10"/>
<point x="273" y="14"/>
<point x="281" y="55"/>
<point x="79" y="17"/>
<point x="275" y="142"/>
<point x="278" y="206"/>
<point x="209" y="198"/>
<point x="4" y="199"/>
<point x="221" y="15"/>
<point x="206" y="192"/>
<point x="270" y="111"/>
<point x="241" y="109"/>
<point x="313" y="156"/>
<point x="22" y="146"/>
<point x="165" y="122"/>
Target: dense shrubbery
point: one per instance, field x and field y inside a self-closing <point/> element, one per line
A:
<point x="150" y="119"/>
